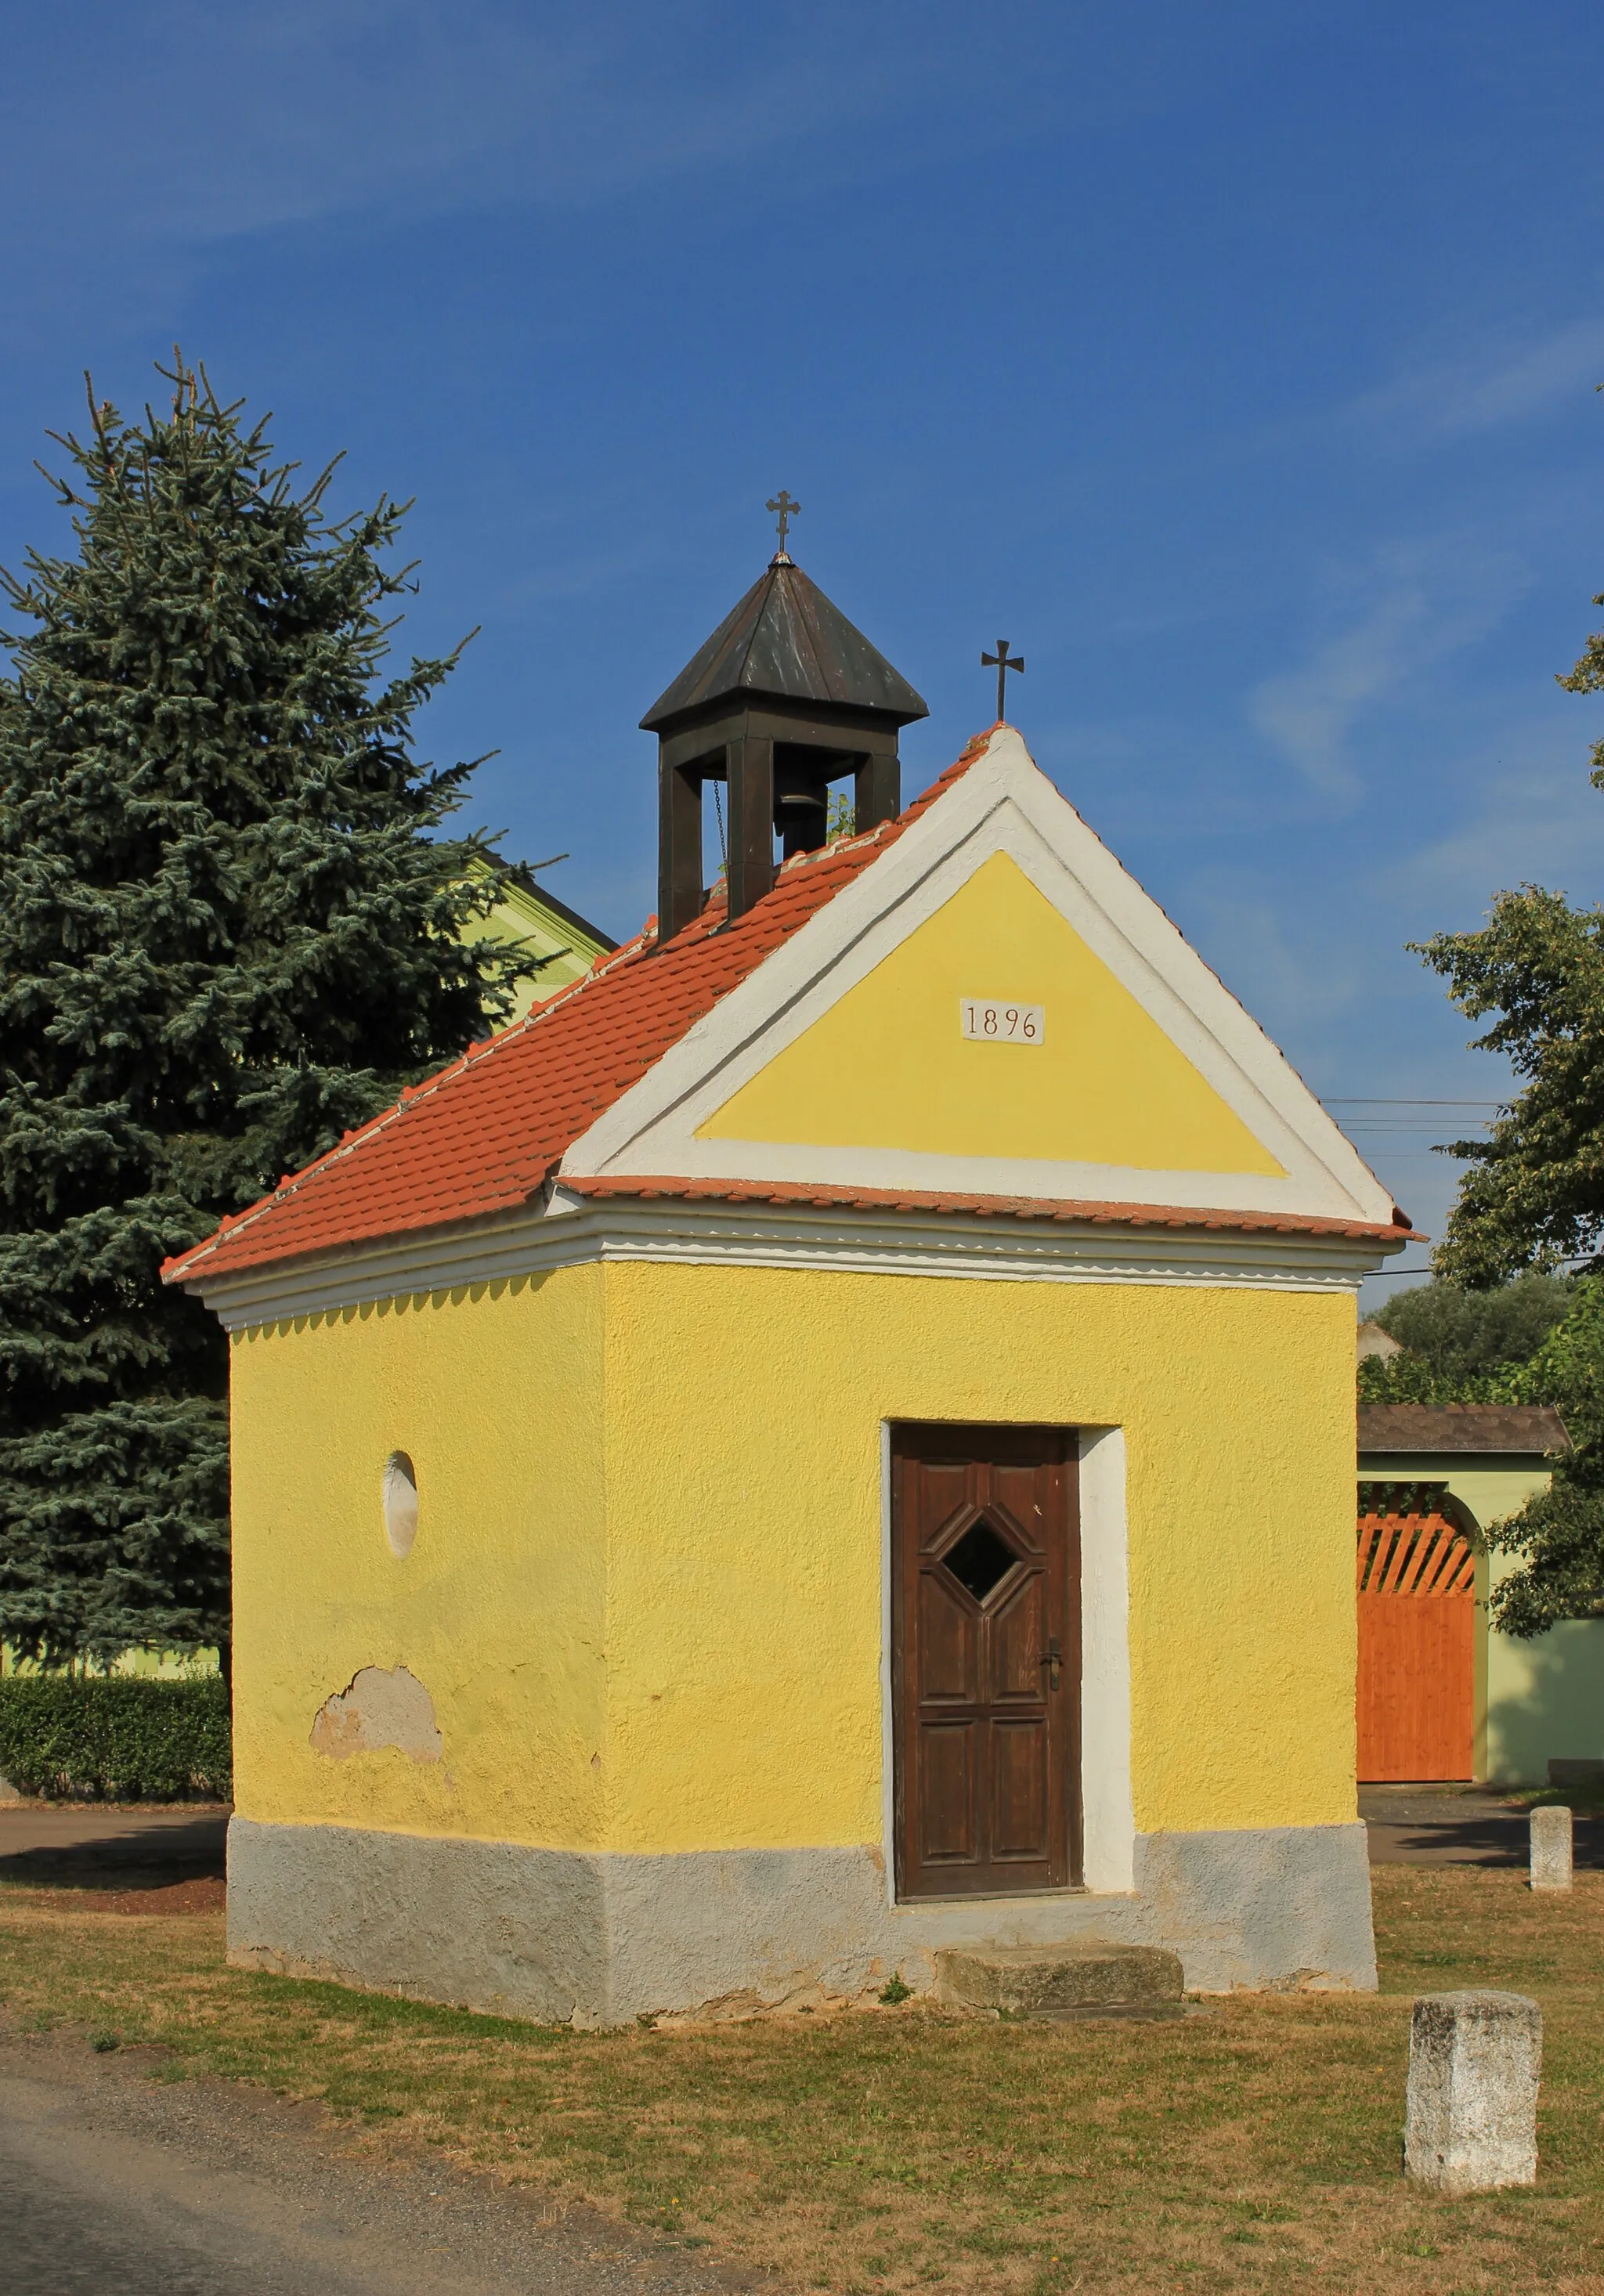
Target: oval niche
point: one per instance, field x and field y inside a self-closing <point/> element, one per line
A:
<point x="400" y="1503"/>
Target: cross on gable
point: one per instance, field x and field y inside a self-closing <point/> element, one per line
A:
<point x="1002" y="662"/>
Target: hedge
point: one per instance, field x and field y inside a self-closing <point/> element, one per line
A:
<point x="125" y="1738"/>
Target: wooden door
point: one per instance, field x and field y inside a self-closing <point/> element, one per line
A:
<point x="1417" y="1649"/>
<point x="985" y="1660"/>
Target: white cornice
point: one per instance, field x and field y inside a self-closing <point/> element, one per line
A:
<point x="992" y="1249"/>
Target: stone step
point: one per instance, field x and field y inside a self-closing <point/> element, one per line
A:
<point x="1062" y="1981"/>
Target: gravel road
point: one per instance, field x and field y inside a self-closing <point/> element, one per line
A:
<point x="115" y="2183"/>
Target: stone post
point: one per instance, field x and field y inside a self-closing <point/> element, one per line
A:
<point x="1551" y="1849"/>
<point x="1474" y="2058"/>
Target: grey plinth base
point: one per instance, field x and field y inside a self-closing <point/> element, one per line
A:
<point x="1474" y="2063"/>
<point x="560" y="1936"/>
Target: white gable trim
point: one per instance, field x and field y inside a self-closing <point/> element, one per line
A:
<point x="1001" y="804"/>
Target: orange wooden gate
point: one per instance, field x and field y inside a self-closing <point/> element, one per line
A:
<point x="1417" y="1648"/>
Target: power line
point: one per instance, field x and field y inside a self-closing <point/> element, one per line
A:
<point x="1571" y="1259"/>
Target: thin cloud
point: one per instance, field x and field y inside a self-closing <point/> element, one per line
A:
<point x="1244" y="936"/>
<point x="1541" y="823"/>
<point x="1487" y="386"/>
<point x="1426" y="604"/>
<point x="190" y="123"/>
<point x="336" y="108"/>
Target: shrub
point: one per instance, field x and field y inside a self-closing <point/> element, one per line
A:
<point x="1463" y="1337"/>
<point x="125" y="1740"/>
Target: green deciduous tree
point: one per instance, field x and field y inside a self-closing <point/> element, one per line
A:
<point x="1460" y="1346"/>
<point x="1533" y="1194"/>
<point x="228" y="934"/>
<point x="1532" y="1198"/>
<point x="1539" y="1340"/>
<point x="1559" y="1533"/>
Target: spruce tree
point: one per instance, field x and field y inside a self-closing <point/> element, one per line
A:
<point x="228" y="934"/>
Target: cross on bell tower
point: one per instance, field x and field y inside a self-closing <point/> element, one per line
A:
<point x="785" y="697"/>
<point x="787" y="510"/>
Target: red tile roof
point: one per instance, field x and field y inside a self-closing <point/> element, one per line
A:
<point x="482" y="1136"/>
<point x="830" y="1195"/>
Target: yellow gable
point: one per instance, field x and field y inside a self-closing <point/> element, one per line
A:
<point x="889" y="1066"/>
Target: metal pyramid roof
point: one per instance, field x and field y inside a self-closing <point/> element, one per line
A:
<point x="785" y="640"/>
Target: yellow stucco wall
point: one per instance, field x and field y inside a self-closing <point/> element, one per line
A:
<point x="743" y="1592"/>
<point x="887" y="1066"/>
<point x="647" y="1609"/>
<point x="499" y="1608"/>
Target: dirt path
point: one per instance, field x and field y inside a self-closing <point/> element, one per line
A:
<point x="168" y="1860"/>
<point x="1454" y="1825"/>
<point x="109" y="2179"/>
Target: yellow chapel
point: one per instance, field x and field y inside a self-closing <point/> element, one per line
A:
<point x="828" y="1443"/>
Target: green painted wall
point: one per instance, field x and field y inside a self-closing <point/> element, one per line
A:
<point x="522" y="915"/>
<point x="1534" y="1700"/>
<point x="171" y="1666"/>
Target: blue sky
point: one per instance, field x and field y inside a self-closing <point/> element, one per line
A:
<point x="1238" y="363"/>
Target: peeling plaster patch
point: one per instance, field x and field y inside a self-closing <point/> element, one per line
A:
<point x="378" y="1708"/>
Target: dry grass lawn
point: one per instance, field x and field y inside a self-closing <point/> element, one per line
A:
<point x="903" y="2148"/>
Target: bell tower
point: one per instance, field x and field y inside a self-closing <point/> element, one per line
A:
<point x="785" y="697"/>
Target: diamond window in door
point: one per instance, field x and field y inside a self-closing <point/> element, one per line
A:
<point x="981" y="1561"/>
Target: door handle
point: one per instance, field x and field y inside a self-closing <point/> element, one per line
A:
<point x="1055" y="1661"/>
